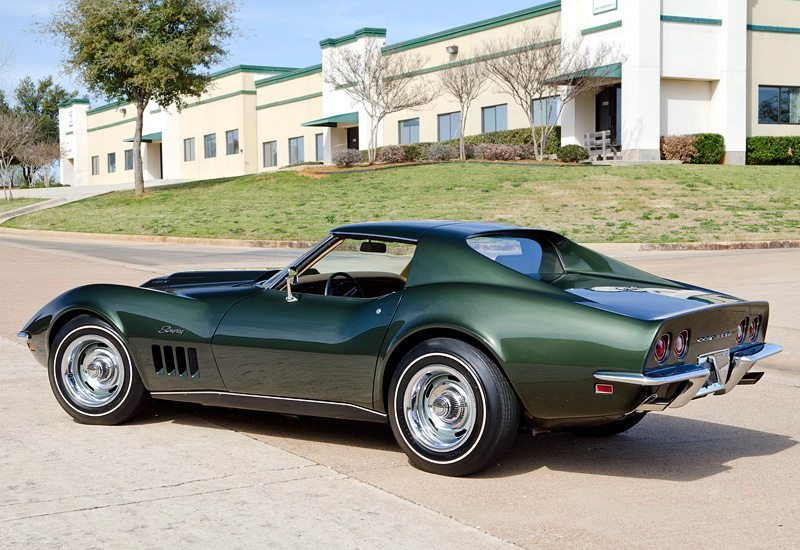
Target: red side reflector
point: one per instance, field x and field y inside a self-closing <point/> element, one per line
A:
<point x="604" y="389"/>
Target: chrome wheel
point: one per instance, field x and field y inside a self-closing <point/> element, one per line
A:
<point x="92" y="371"/>
<point x="439" y="408"/>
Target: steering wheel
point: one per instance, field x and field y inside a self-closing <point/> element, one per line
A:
<point x="332" y="288"/>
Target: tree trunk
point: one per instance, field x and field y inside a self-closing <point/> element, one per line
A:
<point x="138" y="169"/>
<point x="47" y="175"/>
<point x="462" y="153"/>
<point x="373" y="142"/>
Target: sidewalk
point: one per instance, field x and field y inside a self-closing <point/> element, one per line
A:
<point x="63" y="195"/>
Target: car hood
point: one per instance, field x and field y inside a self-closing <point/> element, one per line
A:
<point x="210" y="284"/>
<point x="650" y="299"/>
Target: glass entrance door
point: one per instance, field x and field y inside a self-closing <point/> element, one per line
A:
<point x="608" y="112"/>
<point x="352" y="138"/>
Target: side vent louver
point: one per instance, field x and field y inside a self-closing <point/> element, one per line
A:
<point x="177" y="361"/>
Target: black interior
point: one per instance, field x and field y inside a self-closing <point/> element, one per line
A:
<point x="372" y="283"/>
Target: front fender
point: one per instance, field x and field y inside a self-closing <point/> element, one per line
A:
<point x="139" y="315"/>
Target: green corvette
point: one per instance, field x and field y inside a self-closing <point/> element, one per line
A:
<point x="456" y="334"/>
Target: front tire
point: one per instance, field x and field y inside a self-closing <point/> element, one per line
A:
<point x="92" y="374"/>
<point x="451" y="409"/>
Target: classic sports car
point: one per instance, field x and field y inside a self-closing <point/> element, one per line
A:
<point x="456" y="334"/>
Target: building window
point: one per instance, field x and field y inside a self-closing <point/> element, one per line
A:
<point x="188" y="150"/>
<point x="319" y="147"/>
<point x="449" y="126"/>
<point x="296" y="150"/>
<point x="112" y="163"/>
<point x="270" y="153"/>
<point x="210" y="145"/>
<point x="494" y="118"/>
<point x="545" y="109"/>
<point x="232" y="142"/>
<point x="409" y="131"/>
<point x="128" y="159"/>
<point x="778" y="105"/>
<point x="95" y="165"/>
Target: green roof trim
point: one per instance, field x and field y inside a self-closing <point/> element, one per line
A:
<point x="478" y="26"/>
<point x="155" y="111"/>
<point x="104" y="126"/>
<point x="250" y="69"/>
<point x="352" y="37"/>
<point x="614" y="70"/>
<point x="219" y="98"/>
<point x="333" y="121"/>
<point x="770" y="28"/>
<point x="73" y="101"/>
<point x="299" y="73"/>
<point x="601" y="28"/>
<point x="287" y="101"/>
<point x="68" y="133"/>
<point x="106" y="107"/>
<point x="476" y="59"/>
<point x="690" y="20"/>
<point x="147" y="138"/>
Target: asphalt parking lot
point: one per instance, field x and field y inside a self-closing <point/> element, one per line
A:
<point x="720" y="472"/>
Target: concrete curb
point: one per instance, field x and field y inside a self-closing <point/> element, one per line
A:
<point x="196" y="241"/>
<point x="35" y="207"/>
<point x="269" y="243"/>
<point x="740" y="245"/>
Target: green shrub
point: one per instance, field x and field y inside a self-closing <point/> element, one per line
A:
<point x="517" y="136"/>
<point x="710" y="149"/>
<point x="572" y="153"/>
<point x="694" y="148"/>
<point x="773" y="150"/>
<point x="416" y="152"/>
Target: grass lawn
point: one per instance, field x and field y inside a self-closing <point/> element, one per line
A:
<point x="589" y="204"/>
<point x="6" y="205"/>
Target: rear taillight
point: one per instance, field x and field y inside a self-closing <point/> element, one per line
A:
<point x="681" y="344"/>
<point x="741" y="331"/>
<point x="661" y="350"/>
<point x="752" y="329"/>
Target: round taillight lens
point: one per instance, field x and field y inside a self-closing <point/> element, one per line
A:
<point x="741" y="330"/>
<point x="752" y="330"/>
<point x="681" y="344"/>
<point x="662" y="348"/>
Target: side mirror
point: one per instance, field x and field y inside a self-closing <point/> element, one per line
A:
<point x="291" y="279"/>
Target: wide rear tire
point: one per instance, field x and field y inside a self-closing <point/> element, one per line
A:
<point x="451" y="409"/>
<point x="92" y="374"/>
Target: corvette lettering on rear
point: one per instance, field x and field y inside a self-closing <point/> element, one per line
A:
<point x="713" y="337"/>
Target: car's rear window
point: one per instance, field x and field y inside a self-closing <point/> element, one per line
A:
<point x="536" y="258"/>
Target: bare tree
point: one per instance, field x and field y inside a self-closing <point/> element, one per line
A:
<point x="537" y="63"/>
<point x="381" y="84"/>
<point x="464" y="80"/>
<point x="41" y="156"/>
<point x="17" y="133"/>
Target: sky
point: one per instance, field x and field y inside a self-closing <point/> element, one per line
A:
<point x="270" y="32"/>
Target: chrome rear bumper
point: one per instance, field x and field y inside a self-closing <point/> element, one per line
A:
<point x="712" y="376"/>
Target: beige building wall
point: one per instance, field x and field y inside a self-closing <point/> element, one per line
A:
<point x="469" y="46"/>
<point x="282" y="108"/>
<point x="773" y="58"/>
<point x="107" y="129"/>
